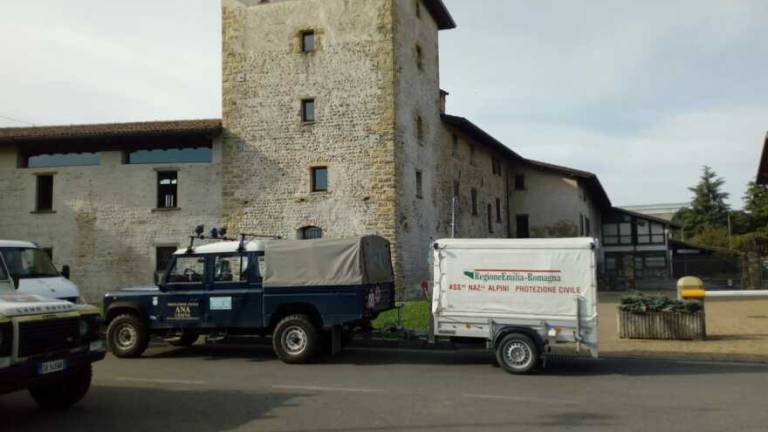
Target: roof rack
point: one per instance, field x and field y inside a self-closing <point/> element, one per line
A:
<point x="244" y="236"/>
<point x="221" y="234"/>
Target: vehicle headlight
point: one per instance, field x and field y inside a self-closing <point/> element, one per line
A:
<point x="83" y="327"/>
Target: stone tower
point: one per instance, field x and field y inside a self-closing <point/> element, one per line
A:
<point x="331" y="112"/>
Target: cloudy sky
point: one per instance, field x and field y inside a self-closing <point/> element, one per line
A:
<point x="641" y="93"/>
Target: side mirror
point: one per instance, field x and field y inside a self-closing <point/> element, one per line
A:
<point x="65" y="271"/>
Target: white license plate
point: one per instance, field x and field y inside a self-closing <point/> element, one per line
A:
<point x="50" y="367"/>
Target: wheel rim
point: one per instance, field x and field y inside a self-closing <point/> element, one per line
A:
<point x="294" y="340"/>
<point x="518" y="354"/>
<point x="125" y="336"/>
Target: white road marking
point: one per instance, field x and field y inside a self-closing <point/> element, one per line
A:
<point x="161" y="381"/>
<point x="326" y="389"/>
<point x="519" y="399"/>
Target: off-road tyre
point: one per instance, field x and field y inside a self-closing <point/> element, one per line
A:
<point x="127" y="336"/>
<point x="518" y="354"/>
<point x="295" y="339"/>
<point x="64" y="392"/>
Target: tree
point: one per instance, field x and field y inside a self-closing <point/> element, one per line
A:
<point x="756" y="205"/>
<point x="708" y="208"/>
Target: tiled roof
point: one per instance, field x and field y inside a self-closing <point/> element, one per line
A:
<point x="155" y="128"/>
<point x="475" y="132"/>
<point x="591" y="180"/>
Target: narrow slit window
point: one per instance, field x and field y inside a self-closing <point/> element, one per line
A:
<point x="454" y="145"/>
<point x="498" y="210"/>
<point x="419" y="185"/>
<point x="167" y="190"/>
<point x="420" y="130"/>
<point x="419" y="57"/>
<point x="474" y="202"/>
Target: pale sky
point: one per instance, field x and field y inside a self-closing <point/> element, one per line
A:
<point x="643" y="93"/>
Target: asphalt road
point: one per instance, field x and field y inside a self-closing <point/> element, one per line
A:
<point x="243" y="388"/>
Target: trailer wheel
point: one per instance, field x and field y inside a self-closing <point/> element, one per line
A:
<point x="127" y="336"/>
<point x="295" y="339"/>
<point x="517" y="353"/>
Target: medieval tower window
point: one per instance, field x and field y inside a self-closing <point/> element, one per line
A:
<point x="308" y="41"/>
<point x="474" y="202"/>
<point x="308" y="110"/>
<point x="498" y="210"/>
<point x="167" y="190"/>
<point x="320" y="179"/>
<point x="471" y="154"/>
<point x="454" y="145"/>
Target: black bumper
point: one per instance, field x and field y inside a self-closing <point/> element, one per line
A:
<point x="25" y="375"/>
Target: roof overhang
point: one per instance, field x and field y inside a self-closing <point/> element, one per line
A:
<point x="663" y="221"/>
<point x="473" y="131"/>
<point x="440" y="13"/>
<point x="762" y="172"/>
<point x="84" y="138"/>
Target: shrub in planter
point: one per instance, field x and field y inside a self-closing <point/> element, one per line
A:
<point x="660" y="317"/>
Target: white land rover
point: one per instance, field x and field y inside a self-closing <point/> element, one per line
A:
<point x="46" y="346"/>
<point x="33" y="273"/>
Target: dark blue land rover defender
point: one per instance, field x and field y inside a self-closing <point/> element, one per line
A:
<point x="297" y="291"/>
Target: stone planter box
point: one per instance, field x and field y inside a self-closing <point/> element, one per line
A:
<point x="662" y="325"/>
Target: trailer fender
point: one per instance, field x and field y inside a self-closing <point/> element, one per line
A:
<point x="500" y="332"/>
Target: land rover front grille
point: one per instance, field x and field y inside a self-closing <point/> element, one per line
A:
<point x="41" y="337"/>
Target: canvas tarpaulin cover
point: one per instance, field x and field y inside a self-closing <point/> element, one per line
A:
<point x="531" y="279"/>
<point x="344" y="262"/>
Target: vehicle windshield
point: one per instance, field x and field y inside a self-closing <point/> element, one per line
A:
<point x="27" y="263"/>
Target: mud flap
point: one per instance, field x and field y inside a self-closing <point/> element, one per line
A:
<point x="335" y="340"/>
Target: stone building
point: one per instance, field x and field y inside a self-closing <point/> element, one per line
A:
<point x="333" y="125"/>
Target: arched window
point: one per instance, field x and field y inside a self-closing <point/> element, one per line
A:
<point x="310" y="233"/>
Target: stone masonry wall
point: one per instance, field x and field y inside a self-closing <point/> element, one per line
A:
<point x="104" y="226"/>
<point x="417" y="96"/>
<point x="269" y="152"/>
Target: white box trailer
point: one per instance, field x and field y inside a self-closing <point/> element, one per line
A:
<point x="520" y="295"/>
